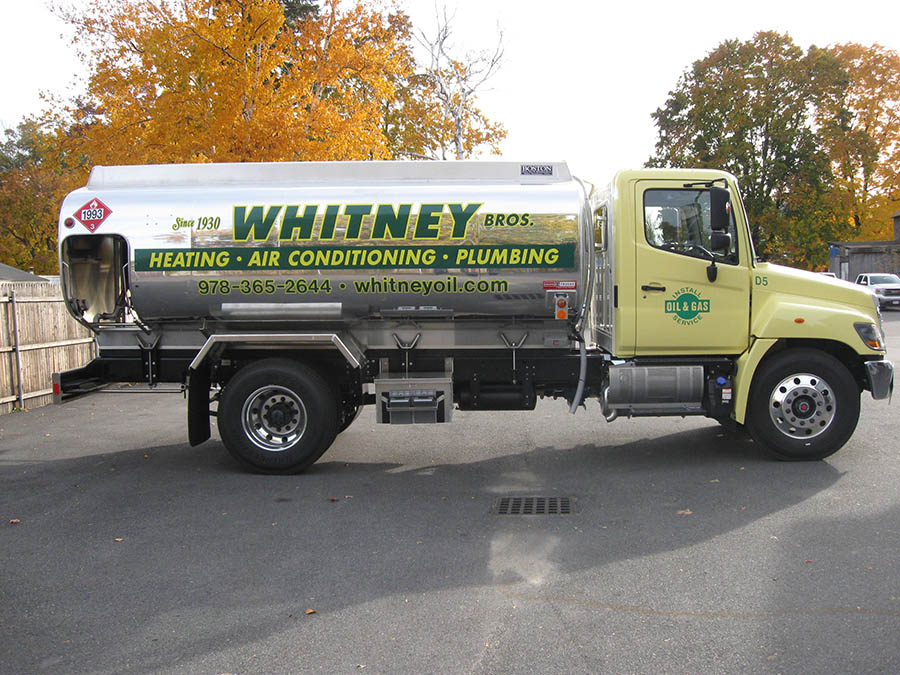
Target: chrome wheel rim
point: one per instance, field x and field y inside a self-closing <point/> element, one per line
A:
<point x="274" y="418"/>
<point x="802" y="406"/>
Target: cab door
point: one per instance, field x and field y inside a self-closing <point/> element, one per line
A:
<point x="690" y="299"/>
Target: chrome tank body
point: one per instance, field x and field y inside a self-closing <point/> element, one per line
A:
<point x="341" y="240"/>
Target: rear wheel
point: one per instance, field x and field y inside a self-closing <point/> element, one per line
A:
<point x="804" y="405"/>
<point x="277" y="416"/>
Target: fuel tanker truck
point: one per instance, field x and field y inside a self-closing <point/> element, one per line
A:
<point x="283" y="297"/>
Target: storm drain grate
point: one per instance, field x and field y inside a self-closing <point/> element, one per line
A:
<point x="534" y="506"/>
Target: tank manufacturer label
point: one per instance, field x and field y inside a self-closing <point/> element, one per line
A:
<point x="537" y="169"/>
<point x="567" y="285"/>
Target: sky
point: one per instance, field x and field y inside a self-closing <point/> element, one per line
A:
<point x="579" y="79"/>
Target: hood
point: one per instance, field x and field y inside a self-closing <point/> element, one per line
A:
<point x="805" y="284"/>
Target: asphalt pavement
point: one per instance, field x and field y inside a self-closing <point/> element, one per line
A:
<point x="126" y="551"/>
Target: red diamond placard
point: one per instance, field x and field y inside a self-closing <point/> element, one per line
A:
<point x="92" y="214"/>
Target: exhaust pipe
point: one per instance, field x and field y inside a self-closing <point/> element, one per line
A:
<point x="608" y="414"/>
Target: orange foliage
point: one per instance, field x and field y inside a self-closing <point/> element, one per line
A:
<point x="231" y="81"/>
<point x="861" y="131"/>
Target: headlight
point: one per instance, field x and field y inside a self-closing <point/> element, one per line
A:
<point x="871" y="335"/>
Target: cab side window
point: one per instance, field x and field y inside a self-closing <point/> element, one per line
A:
<point x="678" y="220"/>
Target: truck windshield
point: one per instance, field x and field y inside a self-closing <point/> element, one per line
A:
<point x="884" y="279"/>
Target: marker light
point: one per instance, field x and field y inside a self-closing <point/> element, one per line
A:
<point x="562" y="307"/>
<point x="868" y="332"/>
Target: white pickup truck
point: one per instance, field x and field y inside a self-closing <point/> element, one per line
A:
<point x="886" y="287"/>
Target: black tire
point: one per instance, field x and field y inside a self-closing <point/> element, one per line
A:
<point x="804" y="405"/>
<point x="277" y="416"/>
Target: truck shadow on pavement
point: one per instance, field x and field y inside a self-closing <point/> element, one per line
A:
<point x="159" y="556"/>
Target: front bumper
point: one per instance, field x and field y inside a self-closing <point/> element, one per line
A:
<point x="881" y="378"/>
<point x="887" y="300"/>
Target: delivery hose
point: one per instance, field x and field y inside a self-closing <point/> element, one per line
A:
<point x="582" y="374"/>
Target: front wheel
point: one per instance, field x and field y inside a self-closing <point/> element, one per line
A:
<point x="277" y="416"/>
<point x="804" y="405"/>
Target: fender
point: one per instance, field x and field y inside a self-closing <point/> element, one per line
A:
<point x="745" y="368"/>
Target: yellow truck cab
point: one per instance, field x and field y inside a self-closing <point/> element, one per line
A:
<point x="684" y="281"/>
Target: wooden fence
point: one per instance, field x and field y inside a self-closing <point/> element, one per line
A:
<point x="37" y="337"/>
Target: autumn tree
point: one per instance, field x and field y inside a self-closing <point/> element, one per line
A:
<point x="251" y="80"/>
<point x="31" y="181"/>
<point x="748" y="108"/>
<point x="233" y="80"/>
<point x="860" y="128"/>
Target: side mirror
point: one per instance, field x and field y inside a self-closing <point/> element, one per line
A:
<point x="719" y="204"/>
<point x="719" y="241"/>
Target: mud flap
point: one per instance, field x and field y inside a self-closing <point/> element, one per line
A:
<point x="198" y="406"/>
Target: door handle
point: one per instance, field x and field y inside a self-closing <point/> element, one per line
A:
<point x="649" y="287"/>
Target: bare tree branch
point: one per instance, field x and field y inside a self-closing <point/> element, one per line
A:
<point x="457" y="79"/>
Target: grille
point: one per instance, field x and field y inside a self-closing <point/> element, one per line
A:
<point x="534" y="506"/>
